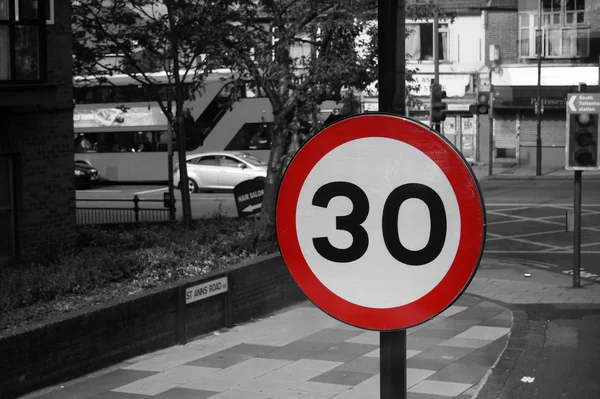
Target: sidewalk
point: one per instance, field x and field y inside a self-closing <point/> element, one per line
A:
<point x="303" y="353"/>
<point x="502" y="171"/>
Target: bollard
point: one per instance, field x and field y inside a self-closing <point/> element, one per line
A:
<point x="136" y="208"/>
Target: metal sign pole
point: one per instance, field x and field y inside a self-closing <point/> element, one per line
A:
<point x="392" y="99"/>
<point x="577" y="231"/>
<point x="538" y="140"/>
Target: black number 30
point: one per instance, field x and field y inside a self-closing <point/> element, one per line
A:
<point x="352" y="223"/>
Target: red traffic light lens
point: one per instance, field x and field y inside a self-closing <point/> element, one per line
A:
<point x="584" y="119"/>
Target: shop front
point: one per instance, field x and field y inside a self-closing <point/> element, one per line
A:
<point x="515" y="124"/>
<point x="459" y="127"/>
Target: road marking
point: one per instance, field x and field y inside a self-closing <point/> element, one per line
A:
<point x="527" y="219"/>
<point x="590" y="276"/>
<point x="152" y="191"/>
<point x="99" y="191"/>
<point x="591" y="244"/>
<point x="529" y="234"/>
<point x="511" y="209"/>
<point x="558" y="248"/>
<point x="537" y="251"/>
<point x="539" y="205"/>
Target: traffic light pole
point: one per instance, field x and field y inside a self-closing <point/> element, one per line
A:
<point x="538" y="140"/>
<point x="491" y="136"/>
<point x="436" y="55"/>
<point x="577" y="230"/>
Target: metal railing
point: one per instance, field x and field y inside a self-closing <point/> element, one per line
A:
<point x="105" y="215"/>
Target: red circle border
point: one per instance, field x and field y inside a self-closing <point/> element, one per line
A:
<point x="470" y="202"/>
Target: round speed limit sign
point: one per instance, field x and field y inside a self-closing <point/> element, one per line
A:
<point x="380" y="222"/>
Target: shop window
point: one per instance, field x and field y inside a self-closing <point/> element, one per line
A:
<point x="49" y="11"/>
<point x="506" y="152"/>
<point x="22" y="40"/>
<point x="419" y="43"/>
<point x="564" y="32"/>
<point x="7" y="210"/>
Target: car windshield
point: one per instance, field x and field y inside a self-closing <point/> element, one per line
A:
<point x="252" y="159"/>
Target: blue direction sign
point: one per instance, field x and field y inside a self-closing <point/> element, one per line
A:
<point x="588" y="103"/>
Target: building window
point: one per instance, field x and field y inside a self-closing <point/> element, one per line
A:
<point x="49" y="11"/>
<point x="419" y="43"/>
<point x="7" y="210"/>
<point x="145" y="141"/>
<point x="564" y="33"/>
<point x="22" y="40"/>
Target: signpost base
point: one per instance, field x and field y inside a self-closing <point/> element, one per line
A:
<point x="392" y="361"/>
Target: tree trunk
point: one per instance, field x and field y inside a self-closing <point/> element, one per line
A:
<point x="273" y="180"/>
<point x="183" y="176"/>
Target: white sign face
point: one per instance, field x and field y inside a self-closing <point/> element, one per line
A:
<point x="380" y="221"/>
<point x="206" y="290"/>
<point x="373" y="279"/>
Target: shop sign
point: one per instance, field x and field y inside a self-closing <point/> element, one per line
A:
<point x="553" y="97"/>
<point x="454" y="85"/>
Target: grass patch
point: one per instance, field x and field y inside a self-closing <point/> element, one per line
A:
<point x="108" y="263"/>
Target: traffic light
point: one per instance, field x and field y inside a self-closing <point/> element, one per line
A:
<point x="438" y="107"/>
<point x="483" y="104"/>
<point x="582" y="142"/>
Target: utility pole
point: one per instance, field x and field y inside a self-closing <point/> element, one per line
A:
<point x="538" y="108"/>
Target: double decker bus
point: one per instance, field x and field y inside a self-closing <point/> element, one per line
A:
<point x="122" y="132"/>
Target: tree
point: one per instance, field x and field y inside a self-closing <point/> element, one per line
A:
<point x="174" y="36"/>
<point x="342" y="36"/>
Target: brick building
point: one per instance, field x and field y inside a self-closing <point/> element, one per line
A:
<point x="37" y="194"/>
<point x="570" y="38"/>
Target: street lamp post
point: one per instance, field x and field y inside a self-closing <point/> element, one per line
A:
<point x="538" y="108"/>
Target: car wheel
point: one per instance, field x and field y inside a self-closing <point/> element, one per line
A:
<point x="192" y="186"/>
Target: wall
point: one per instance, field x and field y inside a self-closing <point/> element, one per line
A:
<point x="40" y="137"/>
<point x="89" y="339"/>
<point x="553" y="158"/>
<point x="467" y="41"/>
<point x="501" y="30"/>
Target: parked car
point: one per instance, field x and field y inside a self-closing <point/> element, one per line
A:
<point x="85" y="174"/>
<point x="220" y="170"/>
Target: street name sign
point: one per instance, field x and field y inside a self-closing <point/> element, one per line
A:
<point x="206" y="290"/>
<point x="578" y="103"/>
<point x="380" y="221"/>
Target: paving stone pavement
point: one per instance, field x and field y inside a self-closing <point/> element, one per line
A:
<point x="303" y="353"/>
